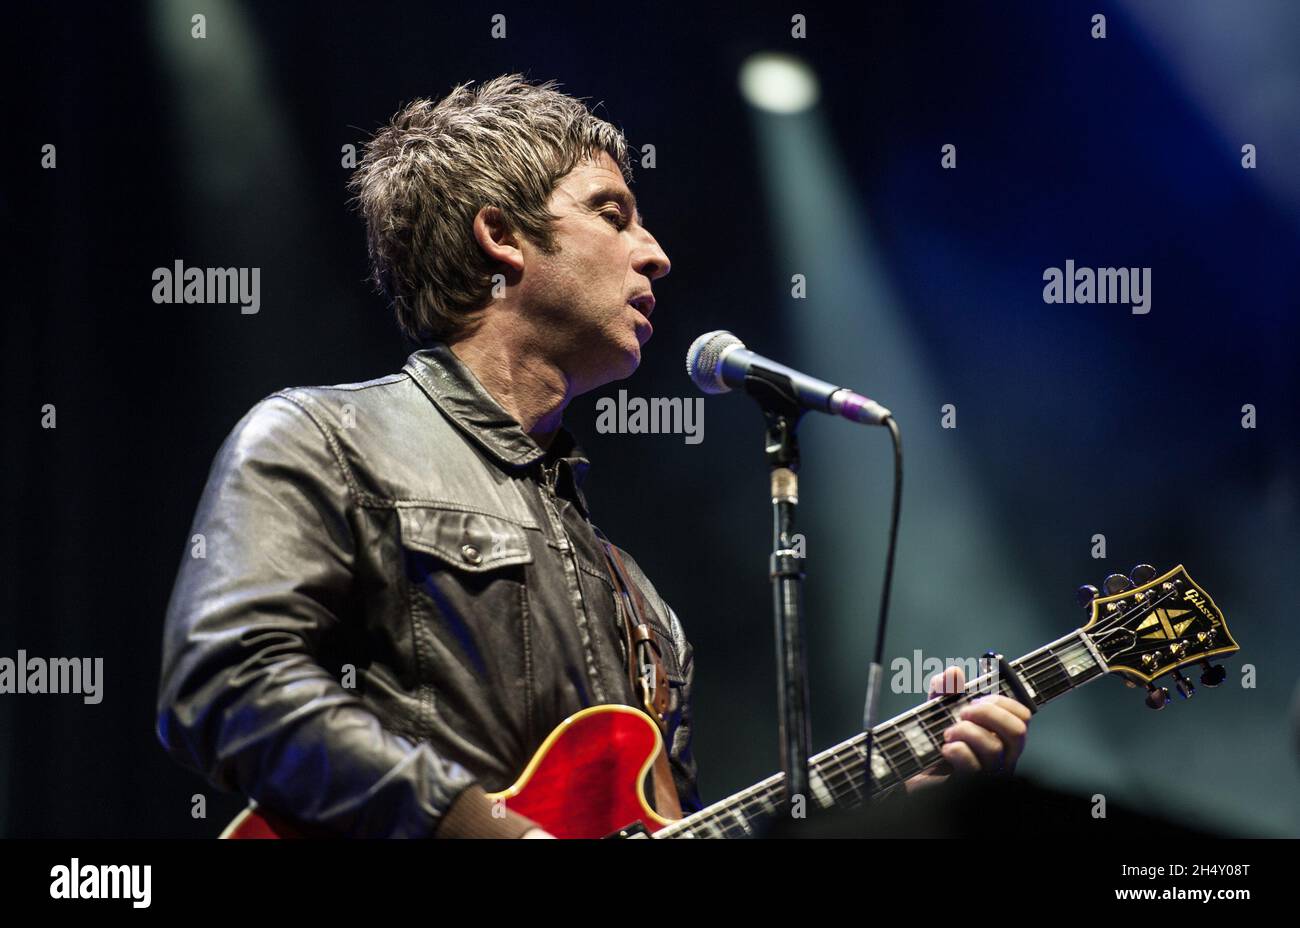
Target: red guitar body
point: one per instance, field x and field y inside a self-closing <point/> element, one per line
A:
<point x="586" y="780"/>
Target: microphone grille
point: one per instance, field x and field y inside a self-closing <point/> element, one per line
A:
<point x="702" y="360"/>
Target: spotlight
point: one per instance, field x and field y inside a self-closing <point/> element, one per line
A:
<point x="778" y="83"/>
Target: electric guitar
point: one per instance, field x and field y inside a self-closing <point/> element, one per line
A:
<point x="587" y="779"/>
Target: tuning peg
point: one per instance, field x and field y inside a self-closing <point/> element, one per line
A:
<point x="1142" y="573"/>
<point x="1157" y="696"/>
<point x="1085" y="594"/>
<point x="1116" y="583"/>
<point x="1214" y="674"/>
<point x="1184" y="685"/>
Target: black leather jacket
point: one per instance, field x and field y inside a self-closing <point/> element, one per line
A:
<point x="392" y="594"/>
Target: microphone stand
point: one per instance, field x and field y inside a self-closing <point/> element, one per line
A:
<point x="782" y="412"/>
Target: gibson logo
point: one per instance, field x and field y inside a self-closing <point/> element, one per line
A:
<point x="1196" y="599"/>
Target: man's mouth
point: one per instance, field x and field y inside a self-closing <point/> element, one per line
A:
<point x="644" y="304"/>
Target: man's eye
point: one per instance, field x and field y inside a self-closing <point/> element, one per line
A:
<point x="616" y="219"/>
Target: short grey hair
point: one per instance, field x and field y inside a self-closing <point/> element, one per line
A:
<point x="424" y="177"/>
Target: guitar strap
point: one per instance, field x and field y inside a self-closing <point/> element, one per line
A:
<point x="645" y="671"/>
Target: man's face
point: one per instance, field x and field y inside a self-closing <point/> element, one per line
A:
<point x="589" y="303"/>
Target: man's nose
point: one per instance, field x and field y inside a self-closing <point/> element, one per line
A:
<point x="650" y="259"/>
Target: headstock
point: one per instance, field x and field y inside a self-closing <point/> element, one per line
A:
<point x="1146" y="626"/>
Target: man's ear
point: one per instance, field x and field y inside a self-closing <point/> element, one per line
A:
<point x="498" y="241"/>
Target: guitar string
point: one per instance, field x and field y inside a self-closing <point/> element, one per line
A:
<point x="843" y="765"/>
<point x="839" y="775"/>
<point x="841" y="770"/>
<point x="842" y="773"/>
<point x="834" y="772"/>
<point x="837" y="771"/>
<point x="926" y="715"/>
<point x="719" y="818"/>
<point x="934" y="717"/>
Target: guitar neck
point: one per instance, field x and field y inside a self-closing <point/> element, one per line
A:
<point x="903" y="746"/>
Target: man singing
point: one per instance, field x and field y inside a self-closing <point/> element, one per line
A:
<point x="402" y="591"/>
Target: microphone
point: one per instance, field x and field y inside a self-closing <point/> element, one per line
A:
<point x="718" y="361"/>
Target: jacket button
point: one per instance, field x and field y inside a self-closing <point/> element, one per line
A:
<point x="471" y="554"/>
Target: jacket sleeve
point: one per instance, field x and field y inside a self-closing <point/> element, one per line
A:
<point x="243" y="699"/>
<point x="682" y="760"/>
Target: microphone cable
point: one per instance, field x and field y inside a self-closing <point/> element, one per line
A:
<point x="872" y="705"/>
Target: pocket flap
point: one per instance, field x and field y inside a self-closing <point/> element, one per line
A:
<point x="465" y="540"/>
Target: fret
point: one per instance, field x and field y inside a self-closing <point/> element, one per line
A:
<point x="1052" y="679"/>
<point x="851" y="766"/>
<point x="1077" y="660"/>
<point x="918" y="740"/>
<point x="936" y="719"/>
<point x="1058" y="668"/>
<point x="819" y="790"/>
<point x="768" y="800"/>
<point x="728" y="827"/>
<point x="744" y="823"/>
<point x="939" y="716"/>
<point x="881" y="771"/>
<point x="754" y="803"/>
<point x="896" y="750"/>
<point x="730" y="819"/>
<point x="765" y="798"/>
<point x="895" y="773"/>
<point x="836" y="777"/>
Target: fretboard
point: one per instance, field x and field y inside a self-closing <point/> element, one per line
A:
<point x="904" y="746"/>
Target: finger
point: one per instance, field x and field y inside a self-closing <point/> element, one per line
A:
<point x="941" y="683"/>
<point x="961" y="757"/>
<point x="952" y="680"/>
<point x="1014" y="706"/>
<point x="986" y="745"/>
<point x="1007" y="726"/>
<point x="925" y="781"/>
<point x="1000" y="708"/>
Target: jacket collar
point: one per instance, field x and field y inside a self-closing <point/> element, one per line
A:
<point x="457" y="392"/>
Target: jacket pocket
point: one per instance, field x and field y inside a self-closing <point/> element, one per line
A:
<point x="464" y="541"/>
<point x="467" y="575"/>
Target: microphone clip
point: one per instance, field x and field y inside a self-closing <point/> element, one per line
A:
<point x="782" y="411"/>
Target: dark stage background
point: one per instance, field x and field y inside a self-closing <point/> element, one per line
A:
<point x="924" y="288"/>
